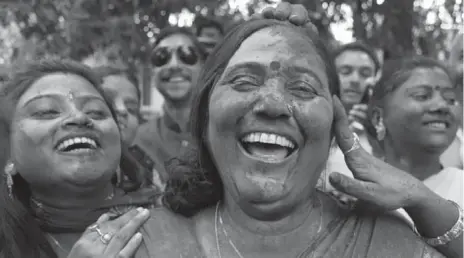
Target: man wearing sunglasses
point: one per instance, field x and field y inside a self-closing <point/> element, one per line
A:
<point x="176" y="60"/>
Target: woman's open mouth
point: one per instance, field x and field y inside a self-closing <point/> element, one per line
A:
<point x="268" y="147"/>
<point x="76" y="145"/>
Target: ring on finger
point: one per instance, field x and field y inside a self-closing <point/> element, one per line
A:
<point x="104" y="237"/>
<point x="355" y="145"/>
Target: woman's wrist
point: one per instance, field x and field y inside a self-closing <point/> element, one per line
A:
<point x="422" y="200"/>
<point x="432" y="215"/>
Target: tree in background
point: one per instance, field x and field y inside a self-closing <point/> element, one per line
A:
<point x="79" y="28"/>
<point x="121" y="31"/>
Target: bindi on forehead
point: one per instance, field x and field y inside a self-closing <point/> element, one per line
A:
<point x="71" y="95"/>
<point x="275" y="66"/>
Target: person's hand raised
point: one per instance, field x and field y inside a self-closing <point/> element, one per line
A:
<point x="111" y="238"/>
<point x="293" y="13"/>
<point x="375" y="182"/>
<point x="358" y="113"/>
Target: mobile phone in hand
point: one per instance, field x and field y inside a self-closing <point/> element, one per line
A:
<point x="366" y="95"/>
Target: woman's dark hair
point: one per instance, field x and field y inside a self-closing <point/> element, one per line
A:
<point x="359" y="46"/>
<point x="20" y="234"/>
<point x="129" y="73"/>
<point x="395" y="73"/>
<point x="195" y="183"/>
<point x="169" y="31"/>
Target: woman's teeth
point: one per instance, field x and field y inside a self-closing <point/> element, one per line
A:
<point x="177" y="79"/>
<point x="270" y="147"/>
<point x="77" y="143"/>
<point x="437" y="125"/>
<point x="268" y="138"/>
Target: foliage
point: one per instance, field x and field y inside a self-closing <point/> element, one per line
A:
<point x="124" y="28"/>
<point x="400" y="27"/>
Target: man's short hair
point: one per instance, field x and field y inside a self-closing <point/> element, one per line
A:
<point x="359" y="46"/>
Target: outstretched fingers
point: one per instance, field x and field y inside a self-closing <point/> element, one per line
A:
<point x="343" y="133"/>
<point x="283" y="11"/>
<point x="359" y="189"/>
<point x="299" y="16"/>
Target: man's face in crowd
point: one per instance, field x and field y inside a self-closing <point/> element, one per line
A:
<point x="356" y="70"/>
<point x="211" y="32"/>
<point x="209" y="37"/>
<point x="176" y="65"/>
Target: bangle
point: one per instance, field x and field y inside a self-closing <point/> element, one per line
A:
<point x="450" y="235"/>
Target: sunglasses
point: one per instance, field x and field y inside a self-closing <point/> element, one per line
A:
<point x="163" y="55"/>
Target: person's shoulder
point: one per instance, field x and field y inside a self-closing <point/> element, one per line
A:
<point x="389" y="234"/>
<point x="203" y="218"/>
<point x="165" y="215"/>
<point x="167" y="234"/>
<point x="453" y="170"/>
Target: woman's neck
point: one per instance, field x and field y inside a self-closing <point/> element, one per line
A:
<point x="287" y="223"/>
<point x="418" y="162"/>
<point x="73" y="196"/>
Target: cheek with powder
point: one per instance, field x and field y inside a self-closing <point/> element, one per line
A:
<point x="315" y="118"/>
<point x="31" y="153"/>
<point x="403" y="121"/>
<point x="227" y="107"/>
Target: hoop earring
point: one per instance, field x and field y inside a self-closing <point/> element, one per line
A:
<point x="9" y="170"/>
<point x="380" y="130"/>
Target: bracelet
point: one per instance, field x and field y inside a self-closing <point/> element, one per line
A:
<point x="450" y="235"/>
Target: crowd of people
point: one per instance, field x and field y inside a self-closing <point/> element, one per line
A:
<point x="270" y="144"/>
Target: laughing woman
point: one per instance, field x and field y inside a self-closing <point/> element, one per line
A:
<point x="264" y="118"/>
<point x="65" y="148"/>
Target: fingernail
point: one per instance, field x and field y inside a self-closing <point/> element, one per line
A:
<point x="140" y="209"/>
<point x="138" y="235"/>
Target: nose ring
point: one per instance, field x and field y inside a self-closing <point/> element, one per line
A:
<point x="290" y="108"/>
<point x="88" y="123"/>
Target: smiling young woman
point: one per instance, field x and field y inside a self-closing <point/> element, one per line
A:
<point x="58" y="196"/>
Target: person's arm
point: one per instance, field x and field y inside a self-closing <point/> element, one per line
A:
<point x="433" y="216"/>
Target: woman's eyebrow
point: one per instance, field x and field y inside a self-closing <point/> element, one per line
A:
<point x="254" y="66"/>
<point x="59" y="96"/>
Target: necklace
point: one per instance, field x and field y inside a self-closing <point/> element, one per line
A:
<point x="225" y="233"/>
<point x="218" y="217"/>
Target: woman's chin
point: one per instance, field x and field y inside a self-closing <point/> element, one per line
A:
<point x="263" y="190"/>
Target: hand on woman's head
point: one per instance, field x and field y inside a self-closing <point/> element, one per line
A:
<point x="296" y="14"/>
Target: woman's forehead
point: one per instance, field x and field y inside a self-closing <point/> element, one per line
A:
<point x="274" y="45"/>
<point x="59" y="84"/>
<point x="428" y="76"/>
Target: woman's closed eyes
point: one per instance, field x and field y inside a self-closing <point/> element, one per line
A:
<point x="302" y="89"/>
<point x="50" y="109"/>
